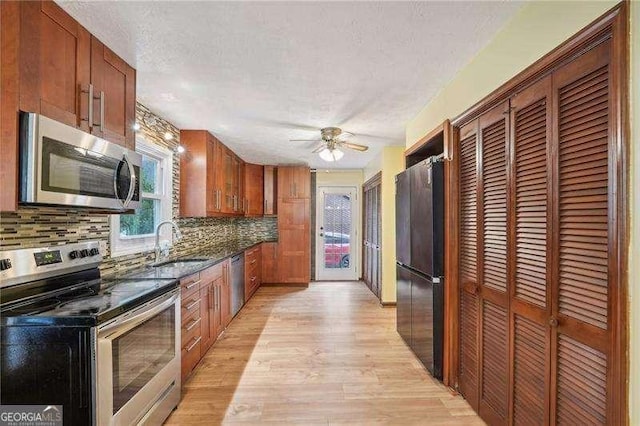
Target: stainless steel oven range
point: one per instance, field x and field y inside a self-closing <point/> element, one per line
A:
<point x="107" y="351"/>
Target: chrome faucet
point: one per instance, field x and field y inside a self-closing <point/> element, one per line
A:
<point x="157" y="246"/>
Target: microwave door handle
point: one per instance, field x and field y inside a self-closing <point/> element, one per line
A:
<point x="115" y="186"/>
<point x="132" y="183"/>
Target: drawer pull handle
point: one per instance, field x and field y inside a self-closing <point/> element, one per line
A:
<point x="192" y="305"/>
<point x="193" y="284"/>
<point x="193" y="324"/>
<point x="193" y="345"/>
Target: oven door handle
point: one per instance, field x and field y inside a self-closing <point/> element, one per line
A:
<point x="131" y="320"/>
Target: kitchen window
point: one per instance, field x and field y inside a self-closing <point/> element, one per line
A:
<point x="134" y="233"/>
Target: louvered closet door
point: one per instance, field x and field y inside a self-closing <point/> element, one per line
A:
<point x="468" y="265"/>
<point x="493" y="132"/>
<point x="530" y="244"/>
<point x="583" y="245"/>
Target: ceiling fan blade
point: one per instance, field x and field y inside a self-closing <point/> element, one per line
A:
<point x="319" y="148"/>
<point x="354" y="146"/>
<point x="345" y="135"/>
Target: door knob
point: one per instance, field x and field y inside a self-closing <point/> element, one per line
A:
<point x="553" y="322"/>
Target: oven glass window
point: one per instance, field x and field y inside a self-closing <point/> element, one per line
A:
<point x="140" y="354"/>
<point x="71" y="170"/>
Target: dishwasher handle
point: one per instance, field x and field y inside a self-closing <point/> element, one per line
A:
<point x="237" y="258"/>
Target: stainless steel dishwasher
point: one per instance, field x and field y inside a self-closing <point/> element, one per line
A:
<point x="237" y="283"/>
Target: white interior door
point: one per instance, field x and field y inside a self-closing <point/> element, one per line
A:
<point x="336" y="234"/>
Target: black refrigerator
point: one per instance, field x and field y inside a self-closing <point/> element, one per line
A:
<point x="420" y="260"/>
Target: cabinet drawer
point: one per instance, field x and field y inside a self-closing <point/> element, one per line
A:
<point x="190" y="356"/>
<point x="212" y="273"/>
<point x="191" y="330"/>
<point x="189" y="285"/>
<point x="190" y="305"/>
<point x="191" y="315"/>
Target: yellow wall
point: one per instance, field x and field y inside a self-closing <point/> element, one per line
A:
<point x="391" y="162"/>
<point x="536" y="29"/>
<point x="634" y="254"/>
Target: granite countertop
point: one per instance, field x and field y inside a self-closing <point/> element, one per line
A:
<point x="194" y="262"/>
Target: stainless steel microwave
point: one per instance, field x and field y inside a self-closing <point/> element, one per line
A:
<point x="62" y="165"/>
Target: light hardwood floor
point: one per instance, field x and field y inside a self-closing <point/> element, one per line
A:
<point x="323" y="355"/>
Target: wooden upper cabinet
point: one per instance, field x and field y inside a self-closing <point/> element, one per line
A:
<point x="55" y="60"/>
<point x="114" y="91"/>
<point x="213" y="179"/>
<point x="254" y="189"/>
<point x="270" y="190"/>
<point x="200" y="191"/>
<point x="294" y="182"/>
<point x="60" y="61"/>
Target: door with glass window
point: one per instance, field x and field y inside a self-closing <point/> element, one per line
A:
<point x="336" y="239"/>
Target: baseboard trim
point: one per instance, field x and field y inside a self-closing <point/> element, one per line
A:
<point x="388" y="304"/>
<point x="284" y="285"/>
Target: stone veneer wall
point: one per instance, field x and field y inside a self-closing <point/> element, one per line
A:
<point x="35" y="226"/>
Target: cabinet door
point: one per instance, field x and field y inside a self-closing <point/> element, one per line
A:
<point x="225" y="298"/>
<point x="294" y="252"/>
<point x="207" y="315"/>
<point x="585" y="240"/>
<point x="254" y="189"/>
<point x="468" y="266"/>
<point x="531" y="117"/>
<point x="286" y="177"/>
<point x="55" y="64"/>
<point x="270" y="262"/>
<point x="270" y="190"/>
<point x="219" y="187"/>
<point x="228" y="165"/>
<point x="302" y="182"/>
<point x="114" y="84"/>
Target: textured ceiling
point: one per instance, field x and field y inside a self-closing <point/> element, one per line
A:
<point x="257" y="74"/>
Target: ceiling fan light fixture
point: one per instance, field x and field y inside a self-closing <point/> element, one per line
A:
<point x="331" y="154"/>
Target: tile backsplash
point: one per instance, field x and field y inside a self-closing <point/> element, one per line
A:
<point x="35" y="226"/>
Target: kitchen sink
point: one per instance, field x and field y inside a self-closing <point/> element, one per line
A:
<point x="182" y="263"/>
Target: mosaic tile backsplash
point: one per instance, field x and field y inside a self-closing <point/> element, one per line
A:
<point x="35" y="226"/>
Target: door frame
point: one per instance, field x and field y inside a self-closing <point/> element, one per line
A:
<point x="354" y="239"/>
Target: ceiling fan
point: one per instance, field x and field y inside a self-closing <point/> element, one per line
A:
<point x="332" y="138"/>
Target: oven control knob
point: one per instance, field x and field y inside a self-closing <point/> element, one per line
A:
<point x="84" y="253"/>
<point x="74" y="254"/>
<point x="5" y="264"/>
<point x="94" y="251"/>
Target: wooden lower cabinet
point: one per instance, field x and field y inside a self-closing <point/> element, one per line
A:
<point x="191" y="317"/>
<point x="224" y="297"/>
<point x="253" y="271"/>
<point x="206" y="312"/>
